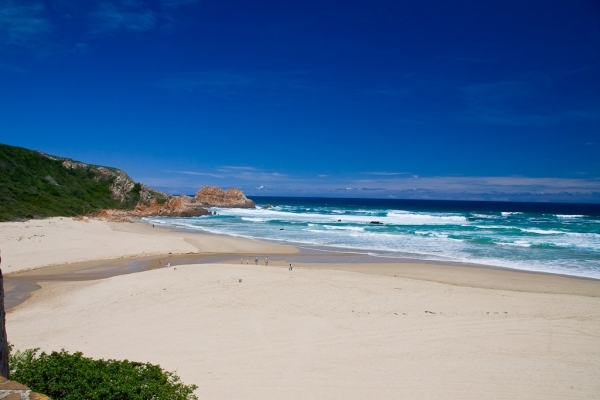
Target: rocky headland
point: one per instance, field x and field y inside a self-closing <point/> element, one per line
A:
<point x="182" y="206"/>
<point x="39" y="185"/>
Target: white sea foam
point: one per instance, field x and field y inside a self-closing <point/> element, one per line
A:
<point x="254" y="219"/>
<point x="584" y="234"/>
<point x="518" y="243"/>
<point x="494" y="227"/>
<point x="542" y="231"/>
<point x="393" y="217"/>
<point x="345" y="228"/>
<point x="409" y="218"/>
<point x="544" y="243"/>
<point x="507" y="213"/>
<point x="485" y="216"/>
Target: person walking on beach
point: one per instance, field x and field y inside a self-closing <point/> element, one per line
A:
<point x="159" y="264"/>
<point x="256" y="261"/>
<point x="168" y="265"/>
<point x="266" y="261"/>
<point x="290" y="268"/>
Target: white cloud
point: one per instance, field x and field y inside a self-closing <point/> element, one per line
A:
<point x="384" y="173"/>
<point x="198" y="173"/>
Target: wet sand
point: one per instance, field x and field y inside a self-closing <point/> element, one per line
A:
<point x="19" y="286"/>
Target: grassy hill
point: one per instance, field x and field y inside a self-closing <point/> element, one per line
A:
<point x="37" y="185"/>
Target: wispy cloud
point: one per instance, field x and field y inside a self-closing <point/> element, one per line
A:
<point x="179" y="3"/>
<point x="27" y="22"/>
<point x="217" y="82"/>
<point x="516" y="102"/>
<point x="393" y="92"/>
<point x="198" y="174"/>
<point x="11" y="68"/>
<point x="237" y="174"/>
<point x="135" y="15"/>
<point x="514" y="188"/>
<point x="23" y="24"/>
<point x="132" y="15"/>
<point x="384" y="173"/>
<point x="230" y="83"/>
<point x="233" y="167"/>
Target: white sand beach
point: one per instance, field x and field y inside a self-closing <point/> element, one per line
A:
<point x="53" y="241"/>
<point x="339" y="332"/>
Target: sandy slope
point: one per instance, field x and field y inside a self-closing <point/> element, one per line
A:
<point x="324" y="334"/>
<point x="37" y="243"/>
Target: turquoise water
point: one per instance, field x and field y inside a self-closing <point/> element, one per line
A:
<point x="546" y="242"/>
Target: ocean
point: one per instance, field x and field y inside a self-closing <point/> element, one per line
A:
<point x="545" y="237"/>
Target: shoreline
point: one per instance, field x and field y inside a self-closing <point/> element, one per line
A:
<point x="22" y="284"/>
<point x="286" y="248"/>
<point x="342" y="325"/>
<point x="375" y="254"/>
<point x="64" y="241"/>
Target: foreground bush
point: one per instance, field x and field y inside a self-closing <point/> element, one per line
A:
<point x="61" y="375"/>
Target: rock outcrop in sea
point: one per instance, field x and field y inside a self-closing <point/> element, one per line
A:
<point x="212" y="196"/>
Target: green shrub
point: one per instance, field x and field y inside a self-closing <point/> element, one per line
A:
<point x="61" y="375"/>
<point x="35" y="186"/>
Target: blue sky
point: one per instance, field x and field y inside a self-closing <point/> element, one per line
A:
<point x="491" y="100"/>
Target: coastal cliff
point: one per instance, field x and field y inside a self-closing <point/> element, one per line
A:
<point x="122" y="187"/>
<point x="211" y="196"/>
<point x="38" y="185"/>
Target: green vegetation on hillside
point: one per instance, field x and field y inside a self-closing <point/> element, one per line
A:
<point x="61" y="375"/>
<point x="33" y="185"/>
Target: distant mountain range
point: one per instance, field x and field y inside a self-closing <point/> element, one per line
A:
<point x="36" y="185"/>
